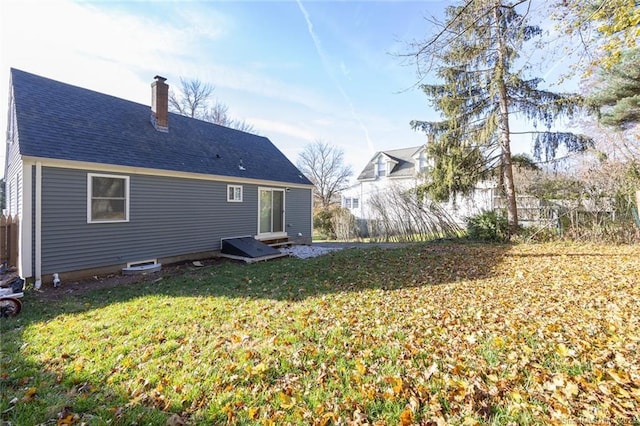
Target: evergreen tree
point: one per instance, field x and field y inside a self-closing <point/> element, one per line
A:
<point x="475" y="57"/>
<point x="619" y="94"/>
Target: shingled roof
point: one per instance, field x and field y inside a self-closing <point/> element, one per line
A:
<point x="405" y="163"/>
<point x="60" y="121"/>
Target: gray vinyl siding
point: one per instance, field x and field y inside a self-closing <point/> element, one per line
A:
<point x="298" y="213"/>
<point x="13" y="171"/>
<point x="167" y="217"/>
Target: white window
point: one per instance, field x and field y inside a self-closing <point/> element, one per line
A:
<point x="351" y="203"/>
<point x="381" y="167"/>
<point x="107" y="198"/>
<point x="422" y="162"/>
<point x="234" y="193"/>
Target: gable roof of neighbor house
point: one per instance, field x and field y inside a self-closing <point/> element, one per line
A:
<point x="60" y="121"/>
<point x="404" y="167"/>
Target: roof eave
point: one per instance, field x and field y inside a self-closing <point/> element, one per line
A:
<point x="72" y="164"/>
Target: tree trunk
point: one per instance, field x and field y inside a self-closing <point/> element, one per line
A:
<point x="503" y="124"/>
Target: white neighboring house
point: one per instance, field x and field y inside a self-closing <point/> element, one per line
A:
<point x="402" y="169"/>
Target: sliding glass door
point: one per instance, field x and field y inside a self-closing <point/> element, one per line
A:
<point x="271" y="211"/>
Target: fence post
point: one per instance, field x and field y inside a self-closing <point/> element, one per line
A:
<point x="9" y="234"/>
<point x="4" y="239"/>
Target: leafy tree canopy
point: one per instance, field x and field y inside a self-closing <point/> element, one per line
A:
<point x="606" y="28"/>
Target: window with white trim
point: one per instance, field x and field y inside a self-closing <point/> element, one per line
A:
<point x="381" y="167"/>
<point x="234" y="193"/>
<point x="107" y="198"/>
<point x="351" y="203"/>
<point x="422" y="162"/>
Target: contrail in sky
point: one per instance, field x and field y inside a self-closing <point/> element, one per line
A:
<point x="326" y="64"/>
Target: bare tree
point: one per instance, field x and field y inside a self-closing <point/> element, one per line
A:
<point x="219" y="114"/>
<point x="194" y="100"/>
<point x="400" y="215"/>
<point x="324" y="165"/>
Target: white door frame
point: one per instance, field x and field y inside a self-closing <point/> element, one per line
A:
<point x="266" y="235"/>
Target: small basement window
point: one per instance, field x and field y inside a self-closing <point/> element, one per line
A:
<point x="142" y="267"/>
<point x="142" y="263"/>
<point x="107" y="198"/>
<point x="234" y="193"/>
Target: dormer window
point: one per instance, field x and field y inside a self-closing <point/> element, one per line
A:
<point x="422" y="162"/>
<point x="381" y="167"/>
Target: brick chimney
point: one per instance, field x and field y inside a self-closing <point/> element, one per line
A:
<point x="160" y="104"/>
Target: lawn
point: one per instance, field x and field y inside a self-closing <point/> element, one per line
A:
<point x="442" y="333"/>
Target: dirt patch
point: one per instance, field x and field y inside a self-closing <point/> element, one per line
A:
<point x="80" y="287"/>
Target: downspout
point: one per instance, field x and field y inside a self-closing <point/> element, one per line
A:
<point x="38" y="227"/>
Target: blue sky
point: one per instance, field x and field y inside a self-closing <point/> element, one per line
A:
<point x="299" y="71"/>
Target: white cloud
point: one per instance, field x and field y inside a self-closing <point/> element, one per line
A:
<point x="261" y="85"/>
<point x="205" y="23"/>
<point x="84" y="45"/>
<point x="269" y="127"/>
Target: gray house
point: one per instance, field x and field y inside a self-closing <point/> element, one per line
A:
<point x="100" y="183"/>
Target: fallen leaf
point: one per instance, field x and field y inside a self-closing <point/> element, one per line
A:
<point x="30" y="394"/>
<point x="406" y="417"/>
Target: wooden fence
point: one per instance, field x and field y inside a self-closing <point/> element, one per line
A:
<point x="9" y="227"/>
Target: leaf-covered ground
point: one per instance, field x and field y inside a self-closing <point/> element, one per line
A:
<point x="430" y="334"/>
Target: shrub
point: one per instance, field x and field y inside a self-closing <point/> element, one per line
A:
<point x="537" y="234"/>
<point x="344" y="224"/>
<point x="488" y="226"/>
<point x="323" y="224"/>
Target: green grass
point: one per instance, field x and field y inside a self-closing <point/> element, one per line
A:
<point x="482" y="334"/>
